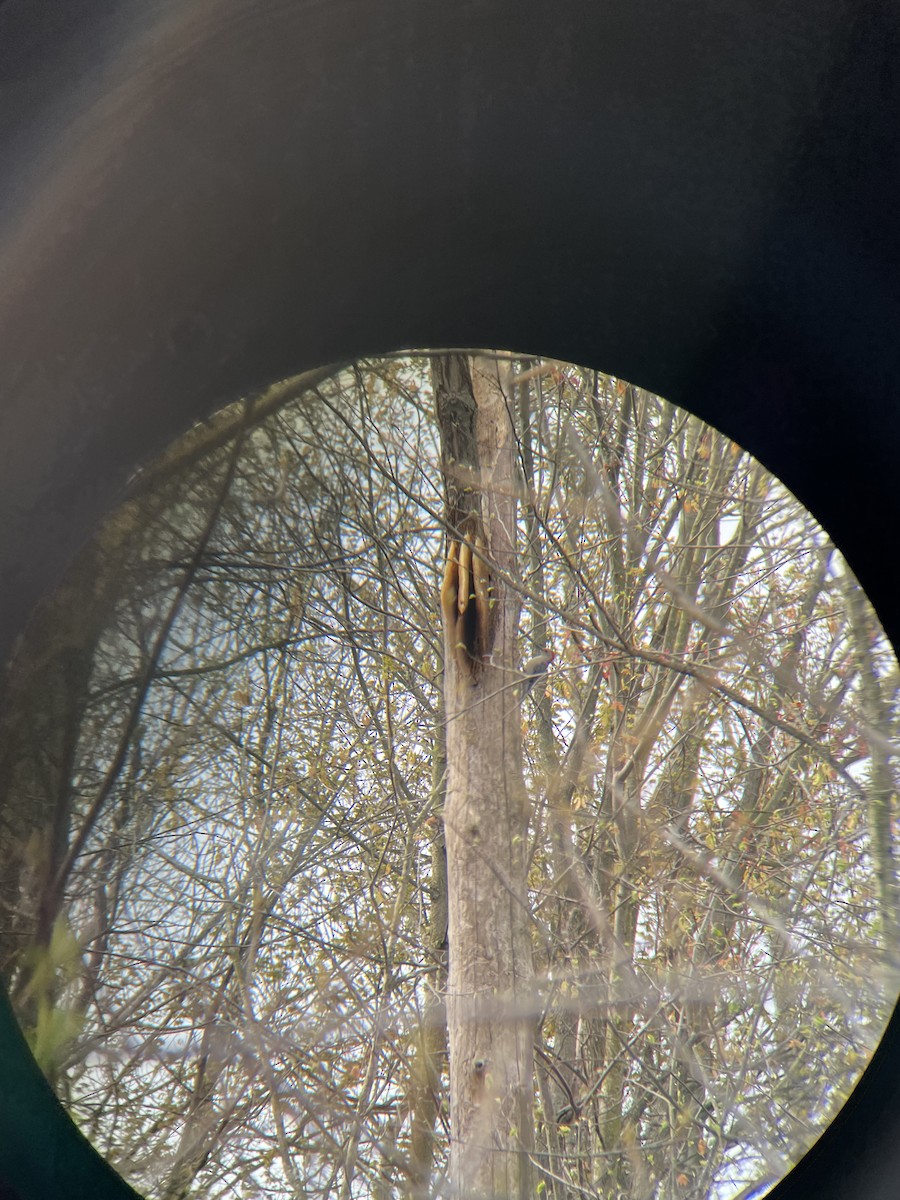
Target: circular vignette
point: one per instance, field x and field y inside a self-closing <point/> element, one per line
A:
<point x="191" y="182"/>
<point x="729" y="925"/>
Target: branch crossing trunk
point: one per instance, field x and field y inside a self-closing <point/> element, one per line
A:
<point x="490" y="992"/>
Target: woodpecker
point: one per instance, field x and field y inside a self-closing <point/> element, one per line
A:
<point x="535" y="670"/>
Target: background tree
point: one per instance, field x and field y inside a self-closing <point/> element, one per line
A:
<point x="703" y="796"/>
<point x="240" y="988"/>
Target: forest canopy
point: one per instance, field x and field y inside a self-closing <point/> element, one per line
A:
<point x="224" y="769"/>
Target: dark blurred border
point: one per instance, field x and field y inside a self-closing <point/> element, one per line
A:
<point x="201" y="196"/>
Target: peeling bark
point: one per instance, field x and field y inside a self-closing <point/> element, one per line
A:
<point x="490" y="994"/>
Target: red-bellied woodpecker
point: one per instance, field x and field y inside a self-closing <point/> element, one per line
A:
<point x="535" y="670"/>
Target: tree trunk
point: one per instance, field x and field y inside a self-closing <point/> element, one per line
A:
<point x="490" y="994"/>
<point x="430" y="1051"/>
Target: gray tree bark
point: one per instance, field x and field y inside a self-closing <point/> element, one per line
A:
<point x="490" y="993"/>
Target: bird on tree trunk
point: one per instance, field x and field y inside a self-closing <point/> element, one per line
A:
<point x="535" y="670"/>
